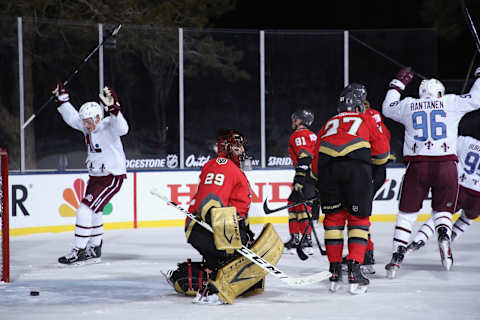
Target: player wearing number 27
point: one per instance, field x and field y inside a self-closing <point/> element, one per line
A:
<point x="429" y="149"/>
<point x="105" y="162"/>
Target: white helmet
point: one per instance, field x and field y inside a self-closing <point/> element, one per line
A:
<point x="91" y="110"/>
<point x="431" y="88"/>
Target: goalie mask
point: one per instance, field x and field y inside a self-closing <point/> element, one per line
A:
<point x="352" y="98"/>
<point x="232" y="144"/>
<point x="306" y="116"/>
<point x="431" y="88"/>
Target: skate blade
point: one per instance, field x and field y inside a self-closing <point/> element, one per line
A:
<point x="292" y="251"/>
<point x="92" y="261"/>
<point x="368" y="269"/>
<point x="334" y="286"/>
<point x="207" y="300"/>
<point x="447" y="259"/>
<point x="392" y="272"/>
<point x="356" y="288"/>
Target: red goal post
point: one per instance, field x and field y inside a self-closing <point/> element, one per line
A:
<point x="4" y="221"/>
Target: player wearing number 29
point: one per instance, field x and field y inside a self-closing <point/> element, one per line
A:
<point x="347" y="146"/>
<point x="431" y="126"/>
<point x="105" y="162"/>
<point x="223" y="200"/>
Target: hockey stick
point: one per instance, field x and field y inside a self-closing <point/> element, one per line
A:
<point x="470" y="24"/>
<point x="73" y="74"/>
<point x="269" y="211"/>
<point x="250" y="255"/>
<point x="395" y="62"/>
<point x="299" y="248"/>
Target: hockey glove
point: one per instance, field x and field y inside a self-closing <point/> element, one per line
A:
<point x="402" y="79"/>
<point x="109" y="100"/>
<point x="61" y="94"/>
<point x="477" y="72"/>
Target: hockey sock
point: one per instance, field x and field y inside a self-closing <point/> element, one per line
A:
<point x="83" y="226"/>
<point x="97" y="229"/>
<point x="334" y="225"/>
<point x="460" y="226"/>
<point x="403" y="229"/>
<point x="425" y="232"/>
<point x="443" y="219"/>
<point x="357" y="237"/>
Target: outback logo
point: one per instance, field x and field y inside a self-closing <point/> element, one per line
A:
<point x="73" y="197"/>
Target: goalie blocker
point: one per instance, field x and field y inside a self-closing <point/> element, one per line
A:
<point x="238" y="277"/>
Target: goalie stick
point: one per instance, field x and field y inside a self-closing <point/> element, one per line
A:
<point x="252" y="256"/>
<point x="74" y="73"/>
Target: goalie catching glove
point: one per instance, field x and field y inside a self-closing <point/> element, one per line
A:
<point x="61" y="94"/>
<point x="109" y="100"/>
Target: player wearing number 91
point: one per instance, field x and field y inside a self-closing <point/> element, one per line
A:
<point x="223" y="200"/>
<point x="105" y="163"/>
<point x="431" y="126"/>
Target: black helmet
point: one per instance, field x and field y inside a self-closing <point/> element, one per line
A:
<point x="305" y="115"/>
<point x="352" y="96"/>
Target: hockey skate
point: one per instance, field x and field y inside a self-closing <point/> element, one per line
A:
<point x="394" y="264"/>
<point x="414" y="246"/>
<point x="367" y="266"/>
<point x="93" y="253"/>
<point x="336" y="277"/>
<point x="444" y="247"/>
<point x="76" y="257"/>
<point x="358" y="283"/>
<point x="307" y="245"/>
<point x="208" y="295"/>
<point x="291" y="245"/>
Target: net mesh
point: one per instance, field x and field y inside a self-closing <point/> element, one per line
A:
<point x="4" y="223"/>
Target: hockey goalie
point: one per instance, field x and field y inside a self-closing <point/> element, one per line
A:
<point x="222" y="201"/>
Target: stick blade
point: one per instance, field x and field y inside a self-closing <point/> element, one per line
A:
<point x="300" y="253"/>
<point x="311" y="279"/>
<point x="157" y="193"/>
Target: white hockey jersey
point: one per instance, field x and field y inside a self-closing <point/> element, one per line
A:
<point x="431" y="125"/>
<point x="469" y="162"/>
<point x="105" y="149"/>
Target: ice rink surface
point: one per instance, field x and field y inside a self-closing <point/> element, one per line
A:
<point x="127" y="284"/>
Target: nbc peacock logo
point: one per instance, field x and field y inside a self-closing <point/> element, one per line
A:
<point x="73" y="197"/>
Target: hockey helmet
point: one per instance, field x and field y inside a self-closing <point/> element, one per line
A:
<point x="228" y="142"/>
<point x="91" y="110"/>
<point x="351" y="99"/>
<point x="431" y="88"/>
<point x="305" y="115"/>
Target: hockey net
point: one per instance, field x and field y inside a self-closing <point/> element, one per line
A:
<point x="4" y="223"/>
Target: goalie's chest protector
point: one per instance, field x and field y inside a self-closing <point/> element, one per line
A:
<point x="223" y="179"/>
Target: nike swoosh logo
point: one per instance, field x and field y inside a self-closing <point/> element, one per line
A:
<point x="225" y="233"/>
<point x="237" y="276"/>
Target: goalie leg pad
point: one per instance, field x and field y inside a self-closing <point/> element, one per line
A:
<point x="226" y="231"/>
<point x="188" y="277"/>
<point x="241" y="274"/>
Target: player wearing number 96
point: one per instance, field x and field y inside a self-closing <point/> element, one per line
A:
<point x="105" y="162"/>
<point x="431" y="125"/>
<point x="223" y="200"/>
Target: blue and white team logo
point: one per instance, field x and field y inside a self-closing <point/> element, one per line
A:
<point x="172" y="161"/>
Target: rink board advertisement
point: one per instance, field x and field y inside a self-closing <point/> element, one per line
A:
<point x="47" y="202"/>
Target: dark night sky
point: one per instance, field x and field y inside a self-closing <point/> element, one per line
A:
<point x="372" y="14"/>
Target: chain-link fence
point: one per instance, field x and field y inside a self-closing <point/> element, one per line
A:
<point x="250" y="80"/>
